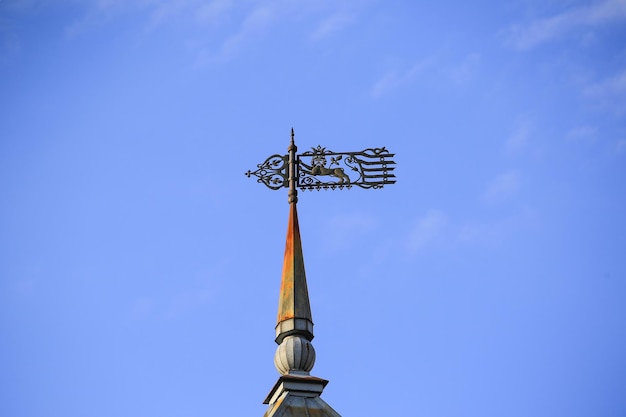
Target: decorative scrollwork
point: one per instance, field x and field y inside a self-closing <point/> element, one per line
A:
<point x="371" y="168"/>
<point x="273" y="172"/>
<point x="323" y="169"/>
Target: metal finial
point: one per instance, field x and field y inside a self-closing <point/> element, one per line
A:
<point x="293" y="171"/>
<point x="323" y="169"/>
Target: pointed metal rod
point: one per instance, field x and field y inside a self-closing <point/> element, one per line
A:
<point x="293" y="171"/>
<point x="312" y="170"/>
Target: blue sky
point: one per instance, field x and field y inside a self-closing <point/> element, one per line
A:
<point x="139" y="267"/>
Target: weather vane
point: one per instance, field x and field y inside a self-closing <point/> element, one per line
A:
<point x="321" y="168"/>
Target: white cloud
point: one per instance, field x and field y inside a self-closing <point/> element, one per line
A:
<point x="473" y="232"/>
<point x="609" y="93"/>
<point x="256" y="20"/>
<point x="394" y="79"/>
<point x="344" y="230"/>
<point x="26" y="286"/>
<point x="194" y="295"/>
<point x="582" y="134"/>
<point x="435" y="230"/>
<point x="494" y="231"/>
<point x="98" y="12"/>
<point x="211" y="12"/>
<point x="546" y="29"/>
<point x="254" y="23"/>
<point x="186" y="294"/>
<point x="188" y="301"/>
<point x="428" y="230"/>
<point x="154" y="12"/>
<point x="518" y="141"/>
<point x="163" y="12"/>
<point x="502" y="187"/>
<point x="240" y="22"/>
<point x="332" y="24"/>
<point x="465" y="71"/>
<point x="143" y="308"/>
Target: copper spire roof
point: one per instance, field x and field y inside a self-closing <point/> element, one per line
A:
<point x="294" y="309"/>
<point x="296" y="393"/>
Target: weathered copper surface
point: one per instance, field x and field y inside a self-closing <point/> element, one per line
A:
<point x="297" y="393"/>
<point x="289" y="405"/>
<point x="293" y="301"/>
<point x="315" y="386"/>
<point x="294" y="396"/>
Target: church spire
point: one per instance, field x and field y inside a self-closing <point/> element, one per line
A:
<point x="294" y="309"/>
<point x="294" y="325"/>
<point x="296" y="393"/>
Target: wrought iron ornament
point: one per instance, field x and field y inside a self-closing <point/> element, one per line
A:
<point x="321" y="168"/>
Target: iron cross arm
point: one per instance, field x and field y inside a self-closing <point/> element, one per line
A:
<point x="321" y="168"/>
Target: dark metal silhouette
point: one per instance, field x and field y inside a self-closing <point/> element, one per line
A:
<point x="320" y="168"/>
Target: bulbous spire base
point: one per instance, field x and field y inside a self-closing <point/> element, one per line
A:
<point x="294" y="355"/>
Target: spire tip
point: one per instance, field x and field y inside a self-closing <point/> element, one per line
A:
<point x="293" y="171"/>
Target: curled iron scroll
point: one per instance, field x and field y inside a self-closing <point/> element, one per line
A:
<point x="273" y="172"/>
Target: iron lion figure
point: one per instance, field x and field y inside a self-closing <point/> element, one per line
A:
<point x="333" y="172"/>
